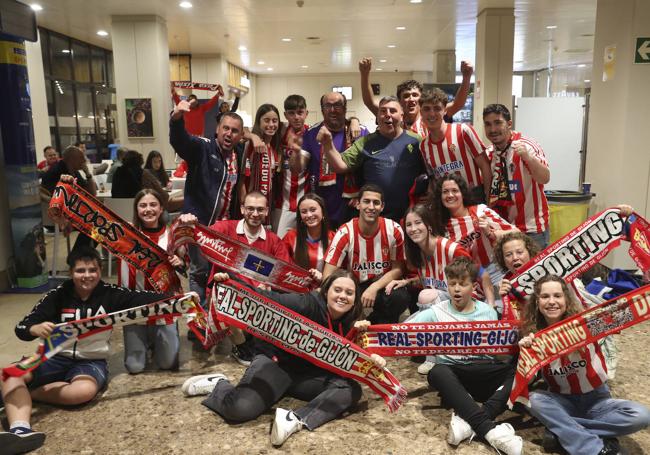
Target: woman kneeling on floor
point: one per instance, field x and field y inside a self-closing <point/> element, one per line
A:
<point x="274" y="373"/>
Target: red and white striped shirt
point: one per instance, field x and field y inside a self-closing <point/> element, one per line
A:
<point x="432" y="272"/>
<point x="368" y="257"/>
<point x="315" y="251"/>
<point x="131" y="278"/>
<point x="229" y="187"/>
<point x="530" y="209"/>
<point x="466" y="231"/>
<point x="456" y="153"/>
<point x="420" y="127"/>
<point x="579" y="372"/>
<point x="294" y="184"/>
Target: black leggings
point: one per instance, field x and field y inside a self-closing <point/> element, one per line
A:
<point x="460" y="385"/>
<point x="265" y="382"/>
<point x="388" y="308"/>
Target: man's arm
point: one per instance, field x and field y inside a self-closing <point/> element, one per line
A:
<point x="365" y="65"/>
<point x="175" y="97"/>
<point x="461" y="95"/>
<point x="370" y="294"/>
<point x="538" y="170"/>
<point x="213" y="101"/>
<point x="44" y="311"/>
<point x="486" y="172"/>
<point x="235" y="105"/>
<point x="184" y="144"/>
<point x="333" y="156"/>
<point x="328" y="269"/>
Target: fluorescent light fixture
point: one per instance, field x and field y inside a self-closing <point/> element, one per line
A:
<point x="286" y="40"/>
<point x="185" y="4"/>
<point x="260" y="62"/>
<point x="36" y="7"/>
<point x="66" y="51"/>
<point x="242" y="48"/>
<point x="400" y="27"/>
<point x="102" y="33"/>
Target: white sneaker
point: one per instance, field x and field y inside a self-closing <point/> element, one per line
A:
<point x="426" y="366"/>
<point x="201" y="385"/>
<point x="503" y="439"/>
<point x="459" y="430"/>
<point x="285" y="424"/>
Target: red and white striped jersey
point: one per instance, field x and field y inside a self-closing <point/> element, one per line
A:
<point x="579" y="372"/>
<point x="314" y="249"/>
<point x="432" y="272"/>
<point x="530" y="209"/>
<point x="420" y="127"/>
<point x="294" y="184"/>
<point x="456" y="153"/>
<point x="368" y="257"/>
<point x="465" y="230"/>
<point x="131" y="278"/>
<point x="229" y="187"/>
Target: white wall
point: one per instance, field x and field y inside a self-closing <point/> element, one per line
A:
<point x="274" y="89"/>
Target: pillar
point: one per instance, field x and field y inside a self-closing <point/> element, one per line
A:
<point x="444" y="66"/>
<point x="618" y="162"/>
<point x="495" y="35"/>
<point x="40" y="117"/>
<point x="141" y="65"/>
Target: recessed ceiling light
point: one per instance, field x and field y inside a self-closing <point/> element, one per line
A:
<point x="260" y="62"/>
<point x="242" y="48"/>
<point x="415" y="1"/>
<point x="380" y="69"/>
<point x="382" y="60"/>
<point x="36" y="7"/>
<point x="587" y="80"/>
<point x="185" y="4"/>
<point x="304" y="67"/>
<point x="400" y="27"/>
<point x="269" y="69"/>
<point x="551" y="27"/>
<point x="391" y="46"/>
<point x="582" y="65"/>
<point x="65" y="51"/>
<point x="102" y="33"/>
<point x="286" y="40"/>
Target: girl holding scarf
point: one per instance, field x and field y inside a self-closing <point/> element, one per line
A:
<point x="274" y="373"/>
<point x="577" y="409"/>
<point x="309" y="241"/>
<point x="161" y="335"/>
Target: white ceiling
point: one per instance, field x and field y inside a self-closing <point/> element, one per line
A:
<point x="346" y="30"/>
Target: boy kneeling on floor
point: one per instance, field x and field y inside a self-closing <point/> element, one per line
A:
<point x="75" y="375"/>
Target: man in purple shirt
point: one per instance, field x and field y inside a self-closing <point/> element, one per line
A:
<point x="323" y="180"/>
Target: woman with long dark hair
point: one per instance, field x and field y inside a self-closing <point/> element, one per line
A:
<point x="156" y="166"/>
<point x="309" y="241"/>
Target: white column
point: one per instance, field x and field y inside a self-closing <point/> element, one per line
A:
<point x="40" y="118"/>
<point x="141" y="62"/>
<point x="444" y="66"/>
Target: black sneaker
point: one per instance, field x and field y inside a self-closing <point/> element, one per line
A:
<point x="20" y="440"/>
<point x="611" y="446"/>
<point x="242" y="353"/>
<point x="550" y="442"/>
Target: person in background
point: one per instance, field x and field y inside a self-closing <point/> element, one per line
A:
<point x="116" y="164"/>
<point x="195" y="116"/>
<point x="101" y="168"/>
<point x="156" y="166"/>
<point x="51" y="157"/>
<point x="225" y="107"/>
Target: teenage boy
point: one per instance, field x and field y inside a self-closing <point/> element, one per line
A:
<point x="519" y="173"/>
<point x="295" y="182"/>
<point x="461" y="379"/>
<point x="374" y="249"/>
<point x="75" y="375"/>
<point x="453" y="148"/>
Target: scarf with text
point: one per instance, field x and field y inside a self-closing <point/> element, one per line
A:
<point x="500" y="198"/>
<point x="581" y="249"/>
<point x="262" y="317"/>
<point x="263" y="169"/>
<point x="66" y="334"/>
<point x="196" y="85"/>
<point x="441" y="338"/>
<point x="245" y="260"/>
<point x="576" y="332"/>
<point x="88" y="215"/>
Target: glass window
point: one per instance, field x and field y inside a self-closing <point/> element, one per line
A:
<point x="80" y="58"/>
<point x="60" y="51"/>
<point x="65" y="112"/>
<point x="98" y="63"/>
<point x="44" y="37"/>
<point x="111" y="76"/>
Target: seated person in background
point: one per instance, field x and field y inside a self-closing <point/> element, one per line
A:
<point x="577" y="410"/>
<point x="51" y="157"/>
<point x="181" y="170"/>
<point x="116" y="163"/>
<point x="462" y="379"/>
<point x="130" y="178"/>
<point x="374" y="249"/>
<point x="75" y="375"/>
<point x="100" y="168"/>
<point x="155" y="165"/>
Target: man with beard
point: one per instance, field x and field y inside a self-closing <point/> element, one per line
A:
<point x="388" y="158"/>
<point x="323" y="179"/>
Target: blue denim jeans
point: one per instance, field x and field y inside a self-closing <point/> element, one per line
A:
<point x="580" y="421"/>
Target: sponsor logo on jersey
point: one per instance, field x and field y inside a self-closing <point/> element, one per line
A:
<point x="446" y="168"/>
<point x="514" y="185"/>
<point x="375" y="267"/>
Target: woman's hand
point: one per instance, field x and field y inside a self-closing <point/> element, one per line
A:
<point x="264" y="287"/>
<point x="379" y="360"/>
<point x="505" y="287"/>
<point x="395" y="284"/>
<point x="220" y="276"/>
<point x="526" y="341"/>
<point x="195" y="297"/>
<point x="316" y="275"/>
<point x="65" y="178"/>
<point x="42" y="330"/>
<point x="175" y="261"/>
<point x="626" y="210"/>
<point x="362" y="326"/>
<point x="188" y="219"/>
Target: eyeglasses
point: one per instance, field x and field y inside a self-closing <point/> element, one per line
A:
<point x="255" y="209"/>
<point x="333" y="106"/>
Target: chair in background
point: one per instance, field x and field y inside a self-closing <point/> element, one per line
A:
<point x="123" y="207"/>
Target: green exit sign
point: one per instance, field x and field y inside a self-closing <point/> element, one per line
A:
<point x="642" y="50"/>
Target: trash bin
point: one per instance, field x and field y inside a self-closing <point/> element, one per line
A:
<point x="567" y="210"/>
